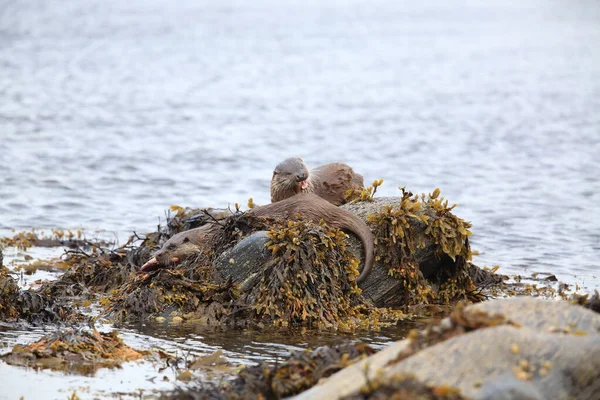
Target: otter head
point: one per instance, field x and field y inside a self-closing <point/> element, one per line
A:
<point x="289" y="177"/>
<point x="175" y="250"/>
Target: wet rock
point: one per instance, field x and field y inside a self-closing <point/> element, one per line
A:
<point x="420" y="249"/>
<point x="417" y="246"/>
<point x="527" y="348"/>
<point x="242" y="261"/>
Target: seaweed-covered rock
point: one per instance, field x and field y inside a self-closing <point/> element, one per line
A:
<point x="99" y="271"/>
<point x="73" y="350"/>
<point x="302" y="370"/>
<point x="9" y="293"/>
<point x="519" y="348"/>
<point x="422" y="250"/>
<point x="405" y="387"/>
<point x="310" y="277"/>
<point x="423" y="253"/>
<point x="30" y="306"/>
<point x="307" y="278"/>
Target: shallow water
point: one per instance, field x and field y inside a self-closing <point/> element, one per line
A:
<point x="112" y="111"/>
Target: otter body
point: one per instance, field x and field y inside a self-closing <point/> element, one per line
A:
<point x="329" y="181"/>
<point x="309" y="206"/>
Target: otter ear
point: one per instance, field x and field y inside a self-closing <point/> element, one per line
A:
<point x="185" y="240"/>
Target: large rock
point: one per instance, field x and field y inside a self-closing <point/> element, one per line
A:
<point x="250" y="255"/>
<point x="550" y="350"/>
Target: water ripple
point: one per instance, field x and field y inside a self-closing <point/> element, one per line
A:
<point x="111" y="111"/>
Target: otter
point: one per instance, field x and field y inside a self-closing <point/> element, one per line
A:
<point x="181" y="246"/>
<point x="308" y="206"/>
<point x="329" y="181"/>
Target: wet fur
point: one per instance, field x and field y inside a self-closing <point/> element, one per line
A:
<point x="186" y="244"/>
<point x="329" y="181"/>
<point x="309" y="206"/>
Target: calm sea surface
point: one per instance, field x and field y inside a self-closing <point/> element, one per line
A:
<point x="111" y="111"/>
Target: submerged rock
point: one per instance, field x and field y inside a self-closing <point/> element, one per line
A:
<point x="301" y="370"/>
<point x="74" y="350"/>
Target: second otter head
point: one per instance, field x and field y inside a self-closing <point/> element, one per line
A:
<point x="178" y="248"/>
<point x="289" y="177"/>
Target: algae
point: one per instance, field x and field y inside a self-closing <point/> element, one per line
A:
<point x="302" y="370"/>
<point x="397" y="230"/>
<point x="404" y="387"/>
<point x="74" y="350"/>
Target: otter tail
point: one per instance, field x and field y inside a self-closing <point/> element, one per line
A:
<point x="356" y="225"/>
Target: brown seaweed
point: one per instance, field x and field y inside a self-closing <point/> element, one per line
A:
<point x="73" y="350"/>
<point x="302" y="370"/>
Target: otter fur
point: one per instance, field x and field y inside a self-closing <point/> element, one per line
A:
<point x="308" y="206"/>
<point x="182" y="246"/>
<point x="329" y="181"/>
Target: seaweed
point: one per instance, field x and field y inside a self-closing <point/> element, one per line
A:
<point x="363" y="194"/>
<point x="302" y="370"/>
<point x="460" y="320"/>
<point x="25" y="240"/>
<point x="591" y="303"/>
<point x="98" y="271"/>
<point x="309" y="280"/>
<point x="170" y="293"/>
<point x="397" y="244"/>
<point x="402" y="230"/>
<point x="29" y="305"/>
<point x="405" y="387"/>
<point x="73" y="350"/>
<point x="9" y="292"/>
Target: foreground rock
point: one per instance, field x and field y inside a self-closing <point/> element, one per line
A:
<point x="520" y="348"/>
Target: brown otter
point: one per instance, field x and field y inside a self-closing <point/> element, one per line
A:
<point x="181" y="246"/>
<point x="329" y="181"/>
<point x="308" y="206"/>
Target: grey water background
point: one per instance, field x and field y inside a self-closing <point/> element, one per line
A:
<point x="112" y="111"/>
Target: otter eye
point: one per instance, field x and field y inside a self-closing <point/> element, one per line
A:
<point x="275" y="173"/>
<point x="172" y="246"/>
<point x="186" y="240"/>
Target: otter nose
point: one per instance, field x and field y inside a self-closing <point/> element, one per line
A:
<point x="301" y="176"/>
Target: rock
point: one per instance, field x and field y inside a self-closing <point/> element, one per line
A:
<point x="249" y="255"/>
<point x="551" y="349"/>
<point x="378" y="287"/>
<point x="243" y="260"/>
